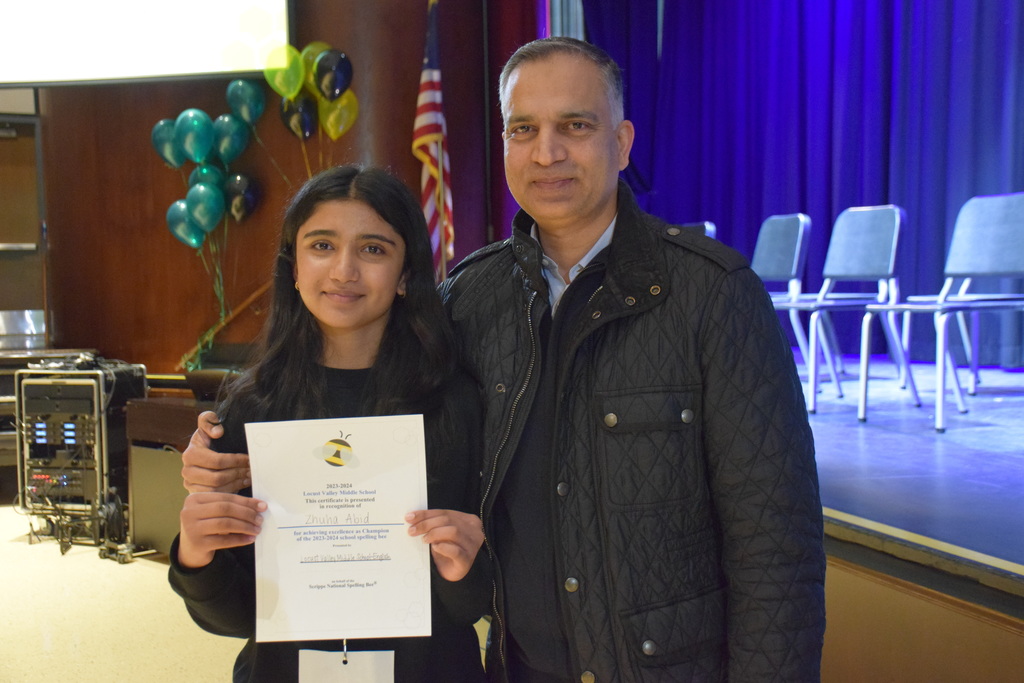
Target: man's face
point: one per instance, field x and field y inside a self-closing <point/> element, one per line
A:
<point x="563" y="151"/>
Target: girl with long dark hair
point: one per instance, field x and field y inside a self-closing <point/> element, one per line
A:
<point x="355" y="328"/>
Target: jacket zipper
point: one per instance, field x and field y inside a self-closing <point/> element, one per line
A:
<point x="494" y="467"/>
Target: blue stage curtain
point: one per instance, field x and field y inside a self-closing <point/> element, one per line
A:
<point x="776" y="106"/>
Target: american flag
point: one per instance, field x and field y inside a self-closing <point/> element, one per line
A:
<point x="430" y="146"/>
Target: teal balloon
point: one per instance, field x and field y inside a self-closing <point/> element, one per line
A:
<point x="193" y="131"/>
<point x="205" y="203"/>
<point x="231" y="137"/>
<point x="183" y="227"/>
<point x="207" y="173"/>
<point x="165" y="144"/>
<point x="246" y="100"/>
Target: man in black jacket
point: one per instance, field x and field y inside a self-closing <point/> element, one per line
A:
<point x="649" y="487"/>
<point x="650" y="490"/>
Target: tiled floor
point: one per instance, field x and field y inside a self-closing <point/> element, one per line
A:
<point x="953" y="500"/>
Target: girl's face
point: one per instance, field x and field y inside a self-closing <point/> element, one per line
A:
<point x="348" y="268"/>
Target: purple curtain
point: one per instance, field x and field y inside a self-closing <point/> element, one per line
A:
<point x="757" y="107"/>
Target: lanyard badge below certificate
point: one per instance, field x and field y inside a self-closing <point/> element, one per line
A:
<point x="318" y="666"/>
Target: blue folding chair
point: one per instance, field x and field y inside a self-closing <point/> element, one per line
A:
<point x="862" y="248"/>
<point x="780" y="255"/>
<point x="987" y="243"/>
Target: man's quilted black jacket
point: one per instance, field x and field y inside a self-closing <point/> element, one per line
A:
<point x="693" y="522"/>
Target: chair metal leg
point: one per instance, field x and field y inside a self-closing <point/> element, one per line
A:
<point x="812" y="363"/>
<point x="905" y="342"/>
<point x="958" y="391"/>
<point x="940" y="372"/>
<point x="830" y="349"/>
<point x="831" y="344"/>
<point x="897" y="350"/>
<point x="831" y="363"/>
<point x="865" y="360"/>
<point x="902" y="354"/>
<point x="965" y="335"/>
<point x="972" y="387"/>
<point x="944" y="360"/>
<point x="798" y="332"/>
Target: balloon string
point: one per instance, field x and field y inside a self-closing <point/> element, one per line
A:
<point x="305" y="157"/>
<point x="202" y="257"/>
<point x="220" y="269"/>
<point x="188" y="360"/>
<point x="320" y="145"/>
<point x="224" y="240"/>
<point x="272" y="159"/>
<point x="193" y="360"/>
<point x="218" y="276"/>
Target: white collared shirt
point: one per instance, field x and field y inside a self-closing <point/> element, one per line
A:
<point x="556" y="285"/>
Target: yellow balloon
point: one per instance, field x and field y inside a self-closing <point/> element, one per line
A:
<point x="284" y="72"/>
<point x="338" y="116"/>
<point x="309" y="55"/>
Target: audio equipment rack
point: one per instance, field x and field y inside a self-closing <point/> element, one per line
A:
<point x="72" y="449"/>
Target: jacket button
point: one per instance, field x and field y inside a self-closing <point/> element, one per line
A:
<point x="611" y="419"/>
<point x="500" y="388"/>
<point x="519" y="249"/>
<point x="562" y="488"/>
<point x="630" y="301"/>
<point x="587" y="677"/>
<point x="686" y="416"/>
<point x="572" y="585"/>
<point x="650" y="647"/>
<point x="655" y="290"/>
<point x="673" y="231"/>
<point x="595" y="315"/>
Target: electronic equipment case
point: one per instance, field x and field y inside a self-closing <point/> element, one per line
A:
<point x="72" y="448"/>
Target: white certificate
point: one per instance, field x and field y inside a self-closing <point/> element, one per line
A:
<point x="333" y="559"/>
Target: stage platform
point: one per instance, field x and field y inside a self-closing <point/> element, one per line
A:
<point x="952" y="502"/>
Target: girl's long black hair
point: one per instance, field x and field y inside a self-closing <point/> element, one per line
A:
<point x="286" y="380"/>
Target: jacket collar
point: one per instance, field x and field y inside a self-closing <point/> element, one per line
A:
<point x="633" y="271"/>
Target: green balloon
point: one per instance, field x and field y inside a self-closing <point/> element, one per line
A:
<point x="193" y="132"/>
<point x="246" y="100"/>
<point x="163" y="142"/>
<point x="207" y="173"/>
<point x="205" y="204"/>
<point x="231" y="137"/>
<point x="183" y="227"/>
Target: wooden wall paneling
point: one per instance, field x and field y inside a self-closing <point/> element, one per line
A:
<point x="21" y="272"/>
<point x="883" y="628"/>
<point x="121" y="283"/>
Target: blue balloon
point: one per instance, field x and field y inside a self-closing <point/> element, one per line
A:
<point x="231" y="136"/>
<point x="243" y="196"/>
<point x="333" y="73"/>
<point x="246" y="100"/>
<point x="165" y="145"/>
<point x="182" y="226"/>
<point x="193" y="131"/>
<point x="205" y="204"/>
<point x="299" y="116"/>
